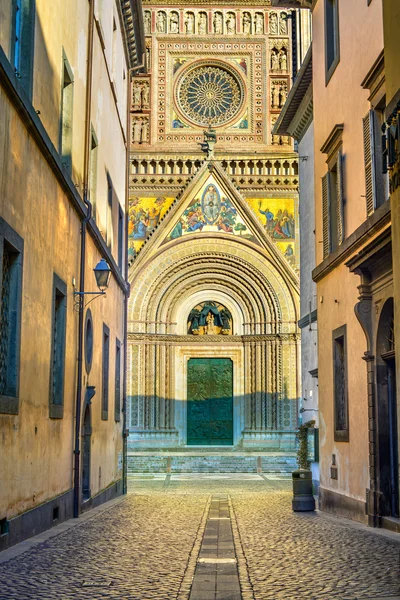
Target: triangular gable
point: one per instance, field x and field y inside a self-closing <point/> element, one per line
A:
<point x="232" y="217"/>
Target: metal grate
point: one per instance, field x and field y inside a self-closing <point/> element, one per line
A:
<point x="5" y="320"/>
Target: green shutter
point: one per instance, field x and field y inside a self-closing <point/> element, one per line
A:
<point x="325" y="215"/>
<point x="368" y="131"/>
<point x="339" y="198"/>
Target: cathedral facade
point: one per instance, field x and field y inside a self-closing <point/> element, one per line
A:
<point x="213" y="340"/>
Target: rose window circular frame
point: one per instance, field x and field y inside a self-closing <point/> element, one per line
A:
<point x="210" y="93"/>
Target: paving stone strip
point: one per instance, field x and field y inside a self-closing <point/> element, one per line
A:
<point x="216" y="576"/>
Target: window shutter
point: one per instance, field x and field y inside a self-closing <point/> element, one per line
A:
<point x="370" y="192"/>
<point x="325" y="216"/>
<point x="339" y="198"/>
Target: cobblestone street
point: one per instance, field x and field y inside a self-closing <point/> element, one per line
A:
<point x="159" y="542"/>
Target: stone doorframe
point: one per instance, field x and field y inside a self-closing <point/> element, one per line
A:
<point x="182" y="356"/>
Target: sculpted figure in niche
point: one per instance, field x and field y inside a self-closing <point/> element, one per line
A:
<point x="273" y="23"/>
<point x="246" y="23"/>
<point x="210" y="324"/>
<point x="174" y="23"/>
<point x="283" y="26"/>
<point x="147" y="22"/>
<point x="259" y="23"/>
<point x="137" y="131"/>
<point x="275" y="141"/>
<point x="218" y="22"/>
<point x="283" y="60"/>
<point x="161" y="22"/>
<point x="145" y="130"/>
<point x="148" y="58"/>
<point x="189" y="23"/>
<point x="202" y="27"/>
<point x="274" y="60"/>
<point x="137" y="96"/>
<point x="145" y="95"/>
<point x="275" y="96"/>
<point x="230" y="24"/>
<point x="282" y="95"/>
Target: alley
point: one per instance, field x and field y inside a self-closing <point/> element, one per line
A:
<point x="204" y="537"/>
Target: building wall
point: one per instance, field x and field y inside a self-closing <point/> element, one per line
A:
<point x="43" y="204"/>
<point x="343" y="101"/>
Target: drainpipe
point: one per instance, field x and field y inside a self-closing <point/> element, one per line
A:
<point x="78" y="408"/>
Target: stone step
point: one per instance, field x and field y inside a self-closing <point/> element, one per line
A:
<point x="152" y="463"/>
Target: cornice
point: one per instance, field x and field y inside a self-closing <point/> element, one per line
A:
<point x="205" y="340"/>
<point x="239" y="4"/>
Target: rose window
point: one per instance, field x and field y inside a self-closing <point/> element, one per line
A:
<point x="210" y="94"/>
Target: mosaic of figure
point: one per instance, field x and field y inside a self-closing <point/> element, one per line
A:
<point x="283" y="26"/>
<point x="246" y="23"/>
<point x="174" y="23"/>
<point x="218" y="23"/>
<point x="259" y="23"/>
<point x="144" y="215"/>
<point x="230" y="23"/>
<point x="189" y="23"/>
<point x="279" y="225"/>
<point x="202" y="25"/>
<point x="147" y="22"/>
<point x="161" y="22"/>
<point x="273" y="23"/>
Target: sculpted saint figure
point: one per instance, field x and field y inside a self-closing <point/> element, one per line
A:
<point x="273" y="23"/>
<point x="259" y="23"/>
<point x="275" y="96"/>
<point x="282" y="60"/>
<point x="145" y="95"/>
<point x="148" y="58"/>
<point x="217" y="22"/>
<point x="230" y="24"/>
<point x="283" y="96"/>
<point x="147" y="22"/>
<point x="137" y="95"/>
<point x="189" y="23"/>
<point x="246" y="21"/>
<point x="174" y="23"/>
<point x="145" y="130"/>
<point x="137" y="131"/>
<point x="202" y="23"/>
<point x="283" y="24"/>
<point x="161" y="21"/>
<point x="274" y="60"/>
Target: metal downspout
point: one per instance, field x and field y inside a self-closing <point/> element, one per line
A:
<point x="78" y="408"/>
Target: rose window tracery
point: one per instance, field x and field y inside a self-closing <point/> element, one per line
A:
<point x="210" y="94"/>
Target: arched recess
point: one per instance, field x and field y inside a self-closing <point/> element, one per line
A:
<point x="387" y="429"/>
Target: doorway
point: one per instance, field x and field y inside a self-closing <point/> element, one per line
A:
<point x="210" y="402"/>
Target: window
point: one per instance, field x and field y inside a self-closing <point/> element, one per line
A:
<point x="58" y="339"/>
<point x="67" y="94"/>
<point x="341" y="409"/>
<point x="333" y="206"/>
<point x="114" y="50"/>
<point x="332" y="55"/>
<point x="120" y="238"/>
<point x="88" y="341"/>
<point x="11" y="255"/>
<point x="105" y="372"/>
<point x="23" y="46"/>
<point x="117" y="410"/>
<point x="376" y="191"/>
<point x="93" y="171"/>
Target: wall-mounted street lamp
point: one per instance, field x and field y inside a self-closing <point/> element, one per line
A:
<point x="303" y="410"/>
<point x="102" y="272"/>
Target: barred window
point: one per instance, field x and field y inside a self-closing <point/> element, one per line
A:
<point x="58" y="341"/>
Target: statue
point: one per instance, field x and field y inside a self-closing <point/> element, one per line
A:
<point x="282" y="60"/>
<point x="161" y="22"/>
<point x="137" y="131"/>
<point x="283" y="26"/>
<point x="145" y="95"/>
<point x="147" y="22"/>
<point x="148" y="59"/>
<point x="194" y="319"/>
<point x="259" y="23"/>
<point x="210" y="324"/>
<point x="246" y="22"/>
<point x="174" y="23"/>
<point x="189" y="23"/>
<point x="137" y="96"/>
<point x="145" y="131"/>
<point x="225" y="318"/>
<point x="217" y="22"/>
<point x="230" y="24"/>
<point x="202" y="27"/>
<point x="274" y="60"/>
<point x="282" y="95"/>
<point x="273" y="23"/>
<point x="275" y="96"/>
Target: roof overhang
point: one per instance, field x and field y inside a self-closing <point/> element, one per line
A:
<point x="132" y="14"/>
<point x="294" y="3"/>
